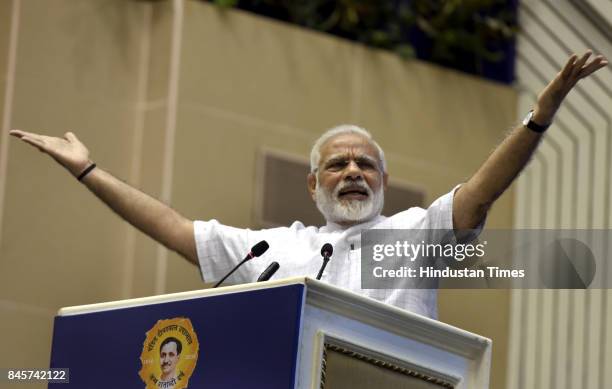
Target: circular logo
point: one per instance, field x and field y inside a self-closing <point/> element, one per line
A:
<point x="567" y="264"/>
<point x="169" y="354"/>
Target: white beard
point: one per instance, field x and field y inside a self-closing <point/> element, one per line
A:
<point x="337" y="211"/>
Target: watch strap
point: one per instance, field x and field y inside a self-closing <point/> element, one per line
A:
<point x="535" y="126"/>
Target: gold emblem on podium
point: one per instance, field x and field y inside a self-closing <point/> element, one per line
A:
<point x="169" y="354"/>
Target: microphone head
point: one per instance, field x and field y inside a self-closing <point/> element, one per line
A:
<point x="259" y="248"/>
<point x="327" y="250"/>
<point x="269" y="272"/>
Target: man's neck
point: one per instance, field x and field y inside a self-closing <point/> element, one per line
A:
<point x="166" y="377"/>
<point x="346" y="224"/>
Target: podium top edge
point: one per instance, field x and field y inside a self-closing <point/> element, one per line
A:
<point x="320" y="294"/>
<point x="188" y="295"/>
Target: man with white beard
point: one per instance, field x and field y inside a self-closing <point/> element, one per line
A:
<point x="347" y="181"/>
<point x="371" y="203"/>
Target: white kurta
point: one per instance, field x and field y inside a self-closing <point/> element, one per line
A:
<point x="298" y="251"/>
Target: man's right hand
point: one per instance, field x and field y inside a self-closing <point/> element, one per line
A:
<point x="67" y="151"/>
<point x="146" y="213"/>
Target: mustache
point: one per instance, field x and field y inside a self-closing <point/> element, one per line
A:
<point x="353" y="186"/>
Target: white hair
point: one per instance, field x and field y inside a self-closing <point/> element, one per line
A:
<point x="315" y="153"/>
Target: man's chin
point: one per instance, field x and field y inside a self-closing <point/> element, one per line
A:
<point x="344" y="210"/>
<point x="352" y="218"/>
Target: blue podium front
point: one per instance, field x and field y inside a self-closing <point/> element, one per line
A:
<point x="246" y="339"/>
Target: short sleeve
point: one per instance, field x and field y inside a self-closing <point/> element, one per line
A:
<point x="439" y="215"/>
<point x="219" y="249"/>
<point x="437" y="219"/>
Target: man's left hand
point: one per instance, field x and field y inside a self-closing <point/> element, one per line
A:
<point x="553" y="94"/>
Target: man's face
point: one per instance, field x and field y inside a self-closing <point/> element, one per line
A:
<point x="348" y="185"/>
<point x="168" y="358"/>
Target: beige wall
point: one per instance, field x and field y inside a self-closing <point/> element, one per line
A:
<point x="181" y="110"/>
<point x="76" y="68"/>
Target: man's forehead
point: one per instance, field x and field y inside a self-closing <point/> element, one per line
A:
<point x="348" y="145"/>
<point x="169" y="345"/>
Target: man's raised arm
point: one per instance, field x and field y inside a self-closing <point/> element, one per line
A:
<point x="475" y="197"/>
<point x="149" y="215"/>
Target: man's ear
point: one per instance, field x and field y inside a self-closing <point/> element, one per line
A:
<point x="385" y="180"/>
<point x="311" y="181"/>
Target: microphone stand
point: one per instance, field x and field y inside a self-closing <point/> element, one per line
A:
<point x="233" y="270"/>
<point x="325" y="260"/>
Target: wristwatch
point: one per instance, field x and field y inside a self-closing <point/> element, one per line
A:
<point x="533" y="126"/>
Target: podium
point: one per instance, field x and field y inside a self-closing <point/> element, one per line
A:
<point x="293" y="333"/>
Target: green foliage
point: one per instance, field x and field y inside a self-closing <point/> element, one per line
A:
<point x="456" y="29"/>
<point x="226" y="3"/>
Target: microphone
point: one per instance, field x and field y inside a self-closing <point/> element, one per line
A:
<point x="256" y="251"/>
<point x="326" y="252"/>
<point x="269" y="272"/>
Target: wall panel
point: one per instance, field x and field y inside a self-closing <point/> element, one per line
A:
<point x="574" y="347"/>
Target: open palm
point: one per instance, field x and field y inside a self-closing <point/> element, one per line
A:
<point x="574" y="70"/>
<point x="68" y="150"/>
